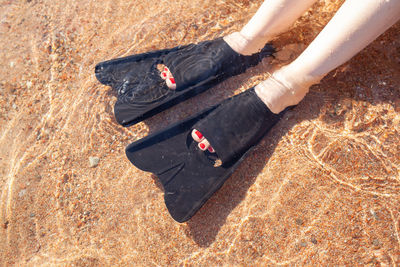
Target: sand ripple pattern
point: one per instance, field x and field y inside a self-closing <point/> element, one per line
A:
<point x="322" y="188"/>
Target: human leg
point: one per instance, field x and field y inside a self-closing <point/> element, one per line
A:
<point x="272" y="18"/>
<point x="356" y="24"/>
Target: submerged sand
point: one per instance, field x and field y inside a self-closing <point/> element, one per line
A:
<point x="323" y="187"/>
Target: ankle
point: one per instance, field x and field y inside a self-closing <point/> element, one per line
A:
<point x="284" y="88"/>
<point x="244" y="45"/>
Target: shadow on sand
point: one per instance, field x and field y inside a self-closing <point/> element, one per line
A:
<point x="321" y="102"/>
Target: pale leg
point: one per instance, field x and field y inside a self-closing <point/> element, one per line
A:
<point x="272" y="18"/>
<point x="356" y="24"/>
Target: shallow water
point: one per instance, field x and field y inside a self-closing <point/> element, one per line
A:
<point x="323" y="187"/>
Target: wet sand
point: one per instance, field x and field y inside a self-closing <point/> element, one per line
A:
<point x="323" y="187"/>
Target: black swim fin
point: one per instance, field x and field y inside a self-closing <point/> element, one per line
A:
<point x="190" y="176"/>
<point x="141" y="91"/>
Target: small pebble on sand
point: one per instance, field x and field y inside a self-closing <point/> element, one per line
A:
<point x="93" y="161"/>
<point x="376" y="242"/>
<point x="22" y="193"/>
<point x="313" y="240"/>
<point x="303" y="244"/>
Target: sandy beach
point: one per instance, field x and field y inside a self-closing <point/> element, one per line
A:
<point x="322" y="188"/>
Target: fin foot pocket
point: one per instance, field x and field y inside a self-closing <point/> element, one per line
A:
<point x="142" y="93"/>
<point x="195" y="176"/>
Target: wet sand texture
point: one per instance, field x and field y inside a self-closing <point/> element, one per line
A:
<point x="323" y="187"/>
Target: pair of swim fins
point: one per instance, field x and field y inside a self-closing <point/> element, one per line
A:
<point x="189" y="175"/>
